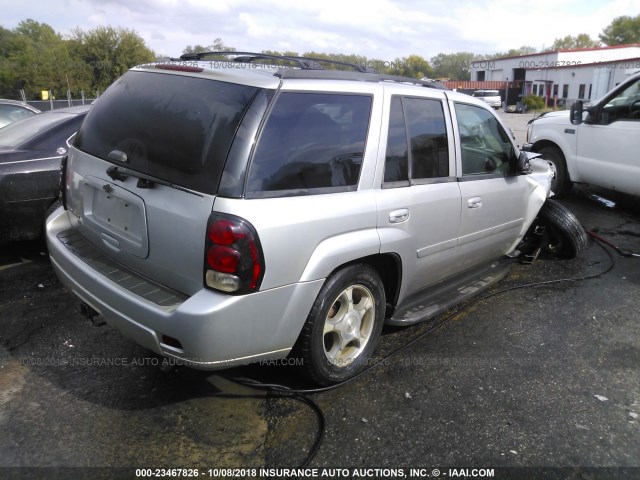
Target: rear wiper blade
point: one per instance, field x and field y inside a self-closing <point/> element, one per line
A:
<point x="144" y="181"/>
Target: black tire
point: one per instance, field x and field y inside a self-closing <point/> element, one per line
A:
<point x="564" y="235"/>
<point x="323" y="357"/>
<point x="561" y="184"/>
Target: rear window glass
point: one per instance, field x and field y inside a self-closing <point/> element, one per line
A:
<point x="311" y="142"/>
<point x="174" y="127"/>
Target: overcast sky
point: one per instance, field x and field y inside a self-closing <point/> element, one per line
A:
<point x="376" y="28"/>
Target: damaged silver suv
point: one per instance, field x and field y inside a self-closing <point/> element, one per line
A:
<point x="227" y="212"/>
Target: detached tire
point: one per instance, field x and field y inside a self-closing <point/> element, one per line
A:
<point x="343" y="326"/>
<point x="564" y="234"/>
<point x="560" y="185"/>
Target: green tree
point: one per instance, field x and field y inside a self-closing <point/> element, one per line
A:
<point x="534" y="103"/>
<point x="413" y="66"/>
<point x="6" y="65"/>
<point x="569" y="42"/>
<point x="36" y="58"/>
<point x="621" y="31"/>
<point x="5" y="42"/>
<point x="337" y="57"/>
<point x="109" y="52"/>
<point x="515" y="52"/>
<point x="454" y="66"/>
<point x="217" y="46"/>
<point x="285" y="53"/>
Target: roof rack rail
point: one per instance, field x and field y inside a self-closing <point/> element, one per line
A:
<point x="305" y="63"/>
<point x="413" y="81"/>
<point x="358" y="76"/>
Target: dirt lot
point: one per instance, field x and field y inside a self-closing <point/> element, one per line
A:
<point x="542" y="376"/>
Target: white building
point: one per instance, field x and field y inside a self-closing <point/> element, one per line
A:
<point x="562" y="75"/>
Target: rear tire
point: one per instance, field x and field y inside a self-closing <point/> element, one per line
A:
<point x="560" y="185"/>
<point x="564" y="235"/>
<point x="343" y="326"/>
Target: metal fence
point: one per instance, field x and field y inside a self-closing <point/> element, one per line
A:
<point x="53" y="104"/>
<point x="48" y="105"/>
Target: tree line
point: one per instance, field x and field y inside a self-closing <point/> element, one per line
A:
<point x="34" y="57"/>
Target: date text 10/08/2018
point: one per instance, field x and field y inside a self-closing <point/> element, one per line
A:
<point x="315" y="473"/>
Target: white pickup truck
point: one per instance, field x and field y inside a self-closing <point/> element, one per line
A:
<point x="598" y="143"/>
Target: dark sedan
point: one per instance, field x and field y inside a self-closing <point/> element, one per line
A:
<point x="30" y="154"/>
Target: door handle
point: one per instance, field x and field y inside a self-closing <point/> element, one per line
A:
<point x="399" y="216"/>
<point x="474" y="202"/>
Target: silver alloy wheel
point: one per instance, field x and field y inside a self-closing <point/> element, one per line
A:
<point x="348" y="326"/>
<point x="554" y="175"/>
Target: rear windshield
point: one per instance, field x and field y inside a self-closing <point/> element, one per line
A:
<point x="174" y="127"/>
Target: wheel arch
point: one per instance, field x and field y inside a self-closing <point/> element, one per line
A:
<point x="357" y="247"/>
<point x="540" y="144"/>
<point x="389" y="268"/>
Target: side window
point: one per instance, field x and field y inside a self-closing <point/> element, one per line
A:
<point x="417" y="145"/>
<point x="486" y="148"/>
<point x="311" y="141"/>
<point x="428" y="137"/>
<point x="396" y="165"/>
<point x="623" y="106"/>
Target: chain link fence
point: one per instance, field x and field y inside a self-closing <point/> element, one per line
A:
<point x="53" y="103"/>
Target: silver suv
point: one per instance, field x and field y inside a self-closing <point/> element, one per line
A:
<point x="221" y="213"/>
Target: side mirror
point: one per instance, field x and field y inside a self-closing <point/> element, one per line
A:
<point x="576" y="112"/>
<point x="521" y="164"/>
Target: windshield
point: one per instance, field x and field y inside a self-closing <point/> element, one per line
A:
<point x="19" y="132"/>
<point x="177" y="128"/>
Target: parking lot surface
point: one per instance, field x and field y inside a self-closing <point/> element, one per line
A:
<point x="517" y="122"/>
<point x="544" y="375"/>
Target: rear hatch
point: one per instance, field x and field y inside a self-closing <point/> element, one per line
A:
<point x="145" y="167"/>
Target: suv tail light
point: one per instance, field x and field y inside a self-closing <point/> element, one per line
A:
<point x="233" y="256"/>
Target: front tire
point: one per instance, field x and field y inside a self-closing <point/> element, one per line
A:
<point x="343" y="326"/>
<point x="564" y="235"/>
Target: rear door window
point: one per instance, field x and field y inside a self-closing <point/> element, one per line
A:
<point x="417" y="144"/>
<point x="311" y="143"/>
<point x="174" y="127"/>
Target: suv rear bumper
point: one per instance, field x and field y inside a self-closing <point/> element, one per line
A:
<point x="215" y="330"/>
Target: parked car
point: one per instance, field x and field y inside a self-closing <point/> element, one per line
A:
<point x="596" y="144"/>
<point x="491" y="97"/>
<point x="13" y="110"/>
<point x="221" y="216"/>
<point x="521" y="107"/>
<point x="30" y="153"/>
